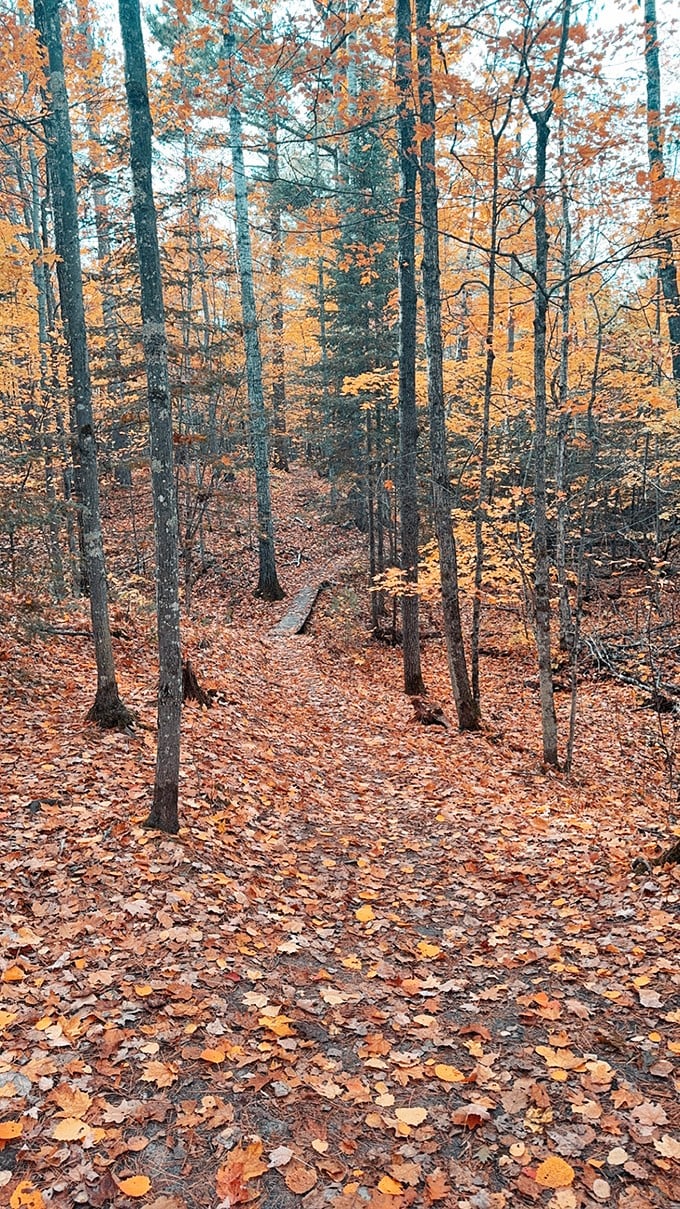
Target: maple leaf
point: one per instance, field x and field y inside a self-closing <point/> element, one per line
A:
<point x="243" y="1165"/>
<point x="159" y="1073"/>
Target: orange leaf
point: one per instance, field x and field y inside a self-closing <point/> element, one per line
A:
<point x="554" y="1173"/>
<point x="213" y="1055"/>
<point x="25" y="1196"/>
<point x="448" y="1074"/>
<point x="365" y="913"/>
<point x="436" y="1186"/>
<point x="390" y="1186"/>
<point x="10" y="1129"/>
<point x="137" y="1185"/>
<point x="428" y="950"/>
<point x="241" y="1166"/>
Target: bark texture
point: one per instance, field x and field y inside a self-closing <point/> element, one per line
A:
<point x="668" y="273"/>
<point x="268" y="586"/>
<point x="108" y="710"/>
<point x="408" y="301"/>
<point x="542" y="612"/>
<point x="466" y="706"/>
<point x="164" y="811"/>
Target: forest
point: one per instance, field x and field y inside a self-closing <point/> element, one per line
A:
<point x="339" y="565"/>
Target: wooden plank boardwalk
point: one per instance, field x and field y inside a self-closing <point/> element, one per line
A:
<point x="295" y="620"/>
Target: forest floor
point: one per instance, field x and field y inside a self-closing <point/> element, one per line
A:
<point x="381" y="965"/>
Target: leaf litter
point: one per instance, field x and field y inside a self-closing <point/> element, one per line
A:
<point x="381" y="965"/>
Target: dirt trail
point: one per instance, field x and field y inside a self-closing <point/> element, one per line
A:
<point x="404" y="954"/>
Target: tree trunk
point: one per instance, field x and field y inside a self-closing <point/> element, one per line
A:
<point x="667" y="269"/>
<point x="30" y="196"/>
<point x="482" y="499"/>
<point x="408" y="301"/>
<point x="268" y="586"/>
<point x="108" y="710"/>
<point x="280" y="441"/>
<point x="164" y="814"/>
<point x="561" y="487"/>
<point x="542" y="627"/>
<point x="466" y="707"/>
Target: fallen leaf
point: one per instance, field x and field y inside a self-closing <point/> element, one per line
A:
<point x="136" y="1185"/>
<point x="70" y="1129"/>
<point x="389" y="1186"/>
<point x="10" y="1130"/>
<point x="448" y="1074"/>
<point x="554" y="1172"/>
<point x="26" y="1196"/>
<point x="617" y="1157"/>
<point x="213" y="1055"/>
<point x="280" y="1156"/>
<point x="411" y="1116"/>
<point x="299" y="1178"/>
<point x="667" y="1146"/>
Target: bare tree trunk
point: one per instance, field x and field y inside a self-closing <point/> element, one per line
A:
<point x="102" y="222"/>
<point x="482" y="501"/>
<point x="164" y="813"/>
<point x="30" y="197"/>
<point x="280" y="438"/>
<point x="466" y="707"/>
<point x="667" y="268"/>
<point x="542" y="628"/>
<point x="268" y="586"/>
<point x="408" y="302"/>
<point x="108" y="710"/>
<point x="564" y="418"/>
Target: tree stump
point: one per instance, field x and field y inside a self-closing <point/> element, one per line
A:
<point x="191" y="689"/>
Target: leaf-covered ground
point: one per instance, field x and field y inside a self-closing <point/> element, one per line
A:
<point x="382" y="964"/>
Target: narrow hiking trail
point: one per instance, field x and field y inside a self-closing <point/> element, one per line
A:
<point x="382" y="964"/>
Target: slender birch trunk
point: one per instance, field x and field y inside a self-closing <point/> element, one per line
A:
<point x="466" y="707"/>
<point x="108" y="710"/>
<point x="164" y="813"/>
<point x="408" y="302"/>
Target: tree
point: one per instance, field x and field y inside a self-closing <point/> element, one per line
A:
<point x="667" y="268"/>
<point x="541" y="120"/>
<point x="408" y="302"/>
<point x="108" y="709"/>
<point x="268" y="586"/>
<point x="164" y="814"/>
<point x="466" y="706"/>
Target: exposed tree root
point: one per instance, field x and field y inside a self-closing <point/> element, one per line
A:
<point x="109" y="713"/>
